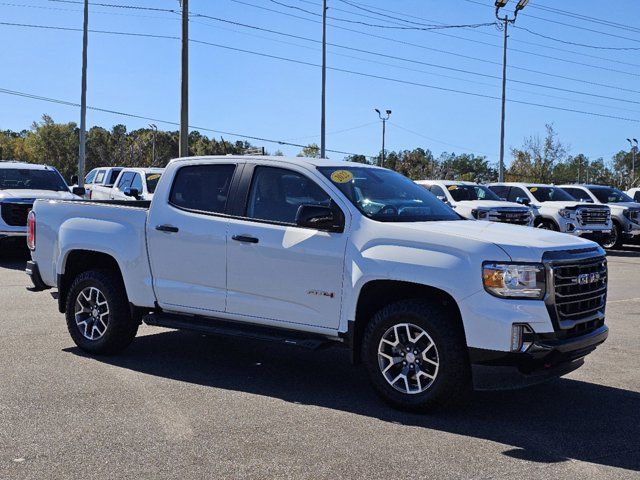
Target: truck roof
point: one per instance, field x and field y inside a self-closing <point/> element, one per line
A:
<point x="5" y="164"/>
<point x="445" y="182"/>
<point x="315" y="162"/>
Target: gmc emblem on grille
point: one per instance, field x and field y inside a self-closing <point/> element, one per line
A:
<point x="587" y="278"/>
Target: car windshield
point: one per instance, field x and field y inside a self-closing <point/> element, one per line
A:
<point x="30" y="179"/>
<point x="152" y="181"/>
<point x="550" y="194"/>
<point x="610" y="195"/>
<point x="461" y="193"/>
<point x="387" y="196"/>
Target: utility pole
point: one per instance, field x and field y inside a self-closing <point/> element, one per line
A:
<point x="384" y="130"/>
<point x="323" y="144"/>
<point x="184" y="83"/>
<point x="634" y="151"/>
<point x="506" y="20"/>
<point x="83" y="97"/>
<point x="154" y="128"/>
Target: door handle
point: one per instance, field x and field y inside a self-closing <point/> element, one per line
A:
<point x="167" y="228"/>
<point x="245" y="239"/>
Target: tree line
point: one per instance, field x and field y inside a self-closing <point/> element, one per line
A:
<point x="540" y="159"/>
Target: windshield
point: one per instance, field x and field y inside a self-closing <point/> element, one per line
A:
<point x="610" y="195"/>
<point x="387" y="196"/>
<point x="551" y="194"/>
<point x="152" y="181"/>
<point x="29" y="179"/>
<point x="461" y="193"/>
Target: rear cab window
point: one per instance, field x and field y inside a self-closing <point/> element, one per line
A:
<point x="202" y="188"/>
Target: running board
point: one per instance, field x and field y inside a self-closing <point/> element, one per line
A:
<point x="216" y="326"/>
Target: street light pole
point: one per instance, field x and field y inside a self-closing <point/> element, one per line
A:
<point x="324" y="80"/>
<point x="506" y="20"/>
<point x="184" y="83"/>
<point x="384" y="130"/>
<point x="634" y="151"/>
<point x="154" y="128"/>
<point x="83" y="97"/>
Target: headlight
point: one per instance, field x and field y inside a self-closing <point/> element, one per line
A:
<point x="479" y="214"/>
<point x="510" y="280"/>
<point x="565" y="213"/>
<point x="627" y="213"/>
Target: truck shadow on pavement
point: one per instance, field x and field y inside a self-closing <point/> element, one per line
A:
<point x="549" y="423"/>
<point x="13" y="256"/>
<point x="625" y="251"/>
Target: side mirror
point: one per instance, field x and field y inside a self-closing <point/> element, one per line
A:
<point x="442" y="198"/>
<point x="523" y="201"/>
<point x="79" y="191"/>
<point x="131" y="192"/>
<point x="74" y="179"/>
<point x="319" y="217"/>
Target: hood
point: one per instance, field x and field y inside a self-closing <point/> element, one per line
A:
<point x="562" y="204"/>
<point x="522" y="244"/>
<point x="487" y="204"/>
<point x="623" y="206"/>
<point x="36" y="194"/>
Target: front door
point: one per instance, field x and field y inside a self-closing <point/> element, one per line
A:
<point x="278" y="273"/>
<point x="187" y="240"/>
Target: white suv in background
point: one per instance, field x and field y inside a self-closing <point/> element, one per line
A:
<point x="477" y="202"/>
<point x="99" y="181"/>
<point x="136" y="184"/>
<point x="625" y="212"/>
<point x="20" y="185"/>
<point x="555" y="209"/>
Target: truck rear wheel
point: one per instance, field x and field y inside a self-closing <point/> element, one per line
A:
<point x="416" y="357"/>
<point x="98" y="316"/>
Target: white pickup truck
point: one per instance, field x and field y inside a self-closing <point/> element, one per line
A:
<point x="477" y="202"/>
<point x="307" y="251"/>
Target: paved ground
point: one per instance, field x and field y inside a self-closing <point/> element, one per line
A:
<point x="180" y="405"/>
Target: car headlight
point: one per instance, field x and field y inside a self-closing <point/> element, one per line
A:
<point x="512" y="280"/>
<point x="565" y="213"/>
<point x="479" y="214"/>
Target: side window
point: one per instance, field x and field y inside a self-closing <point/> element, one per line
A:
<point x="277" y="193"/>
<point x="636" y="196"/>
<point x="437" y="191"/>
<point x="516" y="192"/>
<point x="125" y="180"/>
<point x="137" y="183"/>
<point x="204" y="188"/>
<point x="88" y="180"/>
<point x="500" y="190"/>
<point x="112" y="177"/>
<point x="578" y="194"/>
<point x="99" y="177"/>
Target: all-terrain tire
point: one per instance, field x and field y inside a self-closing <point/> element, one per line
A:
<point x="452" y="385"/>
<point x="120" y="329"/>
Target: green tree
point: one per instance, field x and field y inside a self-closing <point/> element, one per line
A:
<point x="312" y="150"/>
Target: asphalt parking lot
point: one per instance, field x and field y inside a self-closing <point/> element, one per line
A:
<point x="181" y="405"/>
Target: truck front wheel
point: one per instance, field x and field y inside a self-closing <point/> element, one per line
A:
<point x="416" y="358"/>
<point x="98" y="316"/>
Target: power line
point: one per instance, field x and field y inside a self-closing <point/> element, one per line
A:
<point x="480" y="32"/>
<point x="391" y="27"/>
<point x="435" y="140"/>
<point x="567" y="42"/>
<point x="563" y="77"/>
<point x="342" y="70"/>
<point x="585" y="18"/>
<point x="159" y="120"/>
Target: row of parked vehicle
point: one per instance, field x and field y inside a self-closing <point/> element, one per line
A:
<point x="118" y="183"/>
<point x="308" y="251"/>
<point x="601" y="213"/>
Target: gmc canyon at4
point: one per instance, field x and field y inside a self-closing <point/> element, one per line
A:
<point x="307" y="251"/>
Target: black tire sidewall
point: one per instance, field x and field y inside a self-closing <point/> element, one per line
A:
<point x="453" y="373"/>
<point x="120" y="330"/>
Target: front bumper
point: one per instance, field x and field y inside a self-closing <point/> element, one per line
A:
<point x="548" y="351"/>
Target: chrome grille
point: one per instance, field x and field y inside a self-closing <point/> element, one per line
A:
<point x="513" y="216"/>
<point x="580" y="291"/>
<point x="15" y="214"/>
<point x="593" y="216"/>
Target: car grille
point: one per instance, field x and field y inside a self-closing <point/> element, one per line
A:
<point x="514" y="216"/>
<point x="15" y="214"/>
<point x="579" y="293"/>
<point x="593" y="216"/>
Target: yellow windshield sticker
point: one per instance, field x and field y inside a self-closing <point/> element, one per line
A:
<point x="453" y="187"/>
<point x="341" y="176"/>
<point x="533" y="189"/>
<point x="153" y="177"/>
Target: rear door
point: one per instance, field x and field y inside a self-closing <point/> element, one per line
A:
<point x="279" y="273"/>
<point x="187" y="237"/>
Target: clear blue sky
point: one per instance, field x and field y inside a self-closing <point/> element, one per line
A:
<point x="266" y="97"/>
